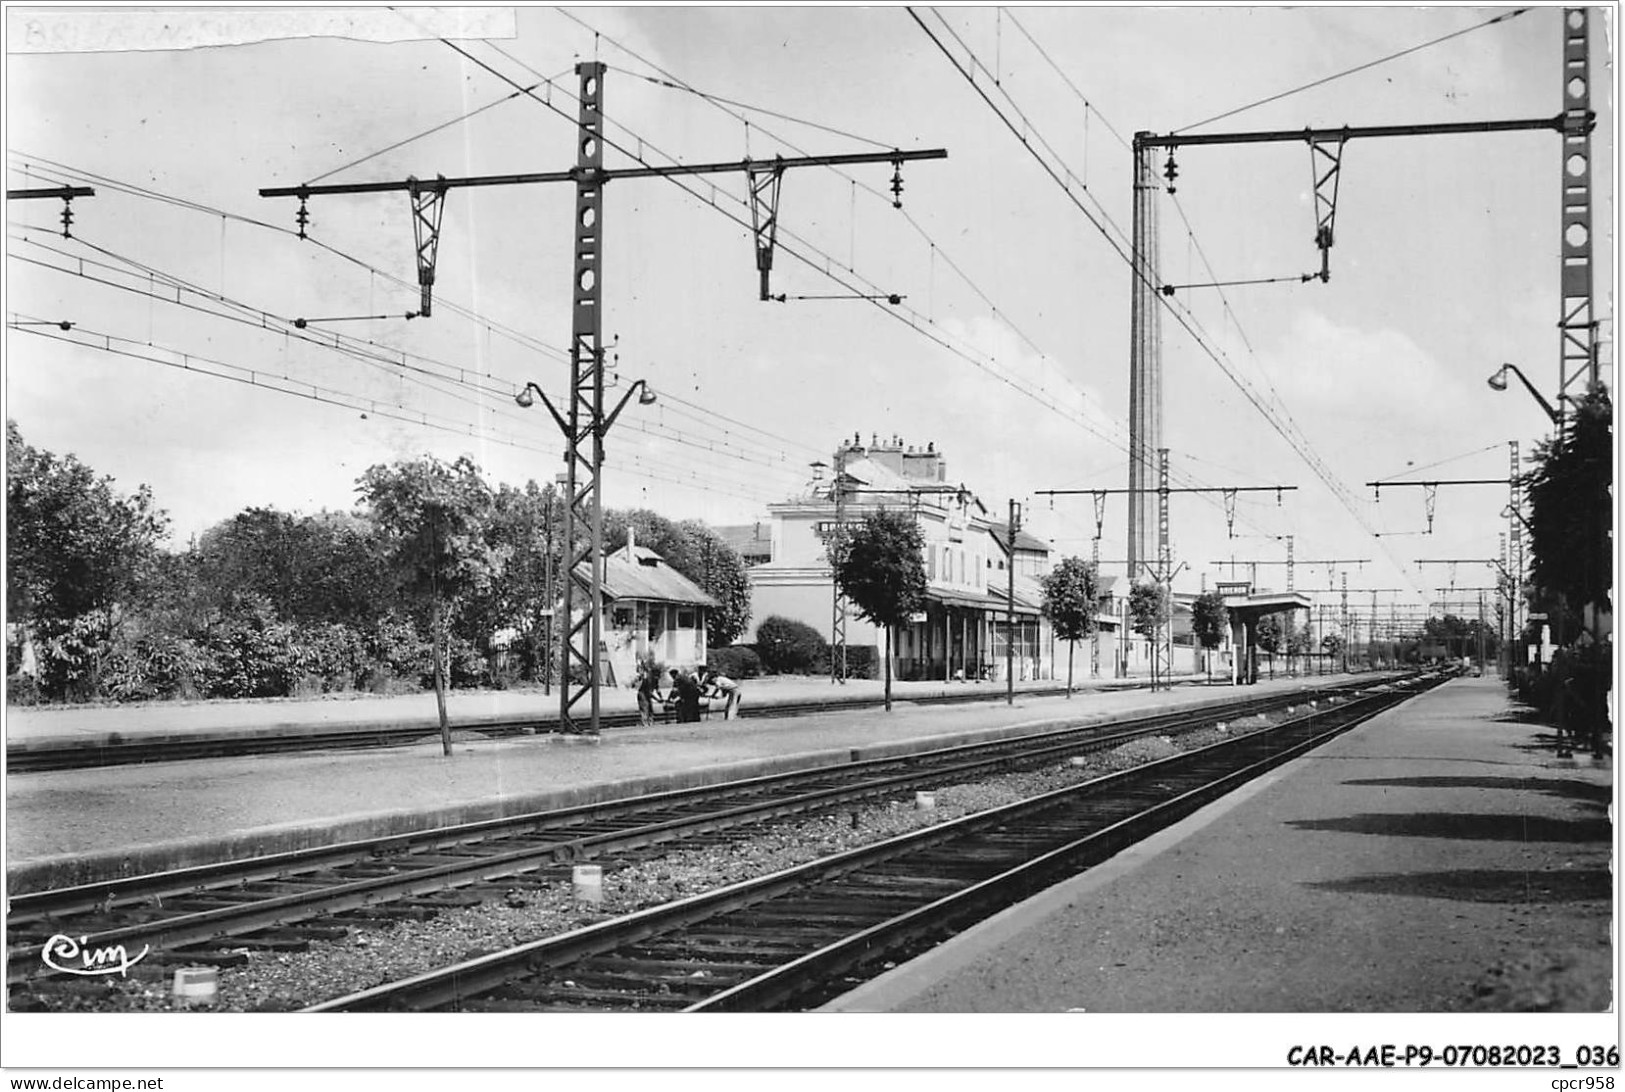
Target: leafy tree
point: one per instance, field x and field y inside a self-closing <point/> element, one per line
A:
<point x="881" y="572"/>
<point x="432" y="521"/>
<point x="1460" y="636"/>
<point x="525" y="527"/>
<point x="75" y="549"/>
<point x="1210" y="620"/>
<point x="1570" y="498"/>
<point x="1147" y="606"/>
<point x="789" y="647"/>
<point x="1271" y="632"/>
<point x="1300" y="640"/>
<point x="700" y="554"/>
<point x="1071" y="597"/>
<point x="321" y="568"/>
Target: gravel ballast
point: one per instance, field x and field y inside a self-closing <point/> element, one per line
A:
<point x="268" y="980"/>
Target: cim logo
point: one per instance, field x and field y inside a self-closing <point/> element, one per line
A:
<point x="63" y="953"/>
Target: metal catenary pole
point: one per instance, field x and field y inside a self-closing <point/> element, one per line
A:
<point x="1010" y="614"/>
<point x="584" y="425"/>
<point x="1578" y="356"/>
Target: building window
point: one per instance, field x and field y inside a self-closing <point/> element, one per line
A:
<point x="685" y="619"/>
<point x="623" y="618"/>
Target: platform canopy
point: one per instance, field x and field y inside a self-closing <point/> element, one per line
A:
<point x="1255" y="605"/>
<point x="1246" y="608"/>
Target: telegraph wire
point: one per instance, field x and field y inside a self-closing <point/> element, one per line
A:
<point x="259" y="317"/>
<point x="253" y="377"/>
<point x="263" y="379"/>
<point x="365" y="352"/>
<point x="1067" y="79"/>
<point x="676" y="81"/>
<point x="1451" y="459"/>
<point x="912" y="316"/>
<point x="1218" y="356"/>
<point x="428" y="132"/>
<point x="492" y="326"/>
<point x="1351" y="71"/>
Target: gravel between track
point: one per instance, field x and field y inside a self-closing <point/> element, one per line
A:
<point x="272" y="981"/>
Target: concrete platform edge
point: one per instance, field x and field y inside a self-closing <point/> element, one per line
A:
<point x="69" y="870"/>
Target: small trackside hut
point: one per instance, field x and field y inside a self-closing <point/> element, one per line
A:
<point x="649" y="609"/>
<point x="1246" y="607"/>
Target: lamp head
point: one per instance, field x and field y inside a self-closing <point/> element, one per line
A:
<point x="646" y="397"/>
<point x="1498" y="381"/>
<point x="524" y="398"/>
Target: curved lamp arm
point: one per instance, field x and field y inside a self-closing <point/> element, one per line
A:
<point x="645" y="398"/>
<point x="1498" y="381"/>
<point x="526" y="401"/>
<point x="640" y="388"/>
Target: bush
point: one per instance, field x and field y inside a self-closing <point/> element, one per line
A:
<point x="250" y="654"/>
<point x="469" y="669"/>
<point x="142" y="672"/>
<point x="862" y="662"/>
<point x="335" y="657"/>
<point x="737" y="662"/>
<point x="72" y="654"/>
<point x="398" y="656"/>
<point x="22" y="690"/>
<point x="788" y="647"/>
<point x="171" y="665"/>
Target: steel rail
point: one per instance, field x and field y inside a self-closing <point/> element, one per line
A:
<point x="782" y="985"/>
<point x="547" y="838"/>
<point x="24" y="759"/>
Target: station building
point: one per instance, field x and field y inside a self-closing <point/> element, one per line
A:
<point x="964" y="629"/>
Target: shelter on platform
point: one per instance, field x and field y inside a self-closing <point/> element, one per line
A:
<point x="1246" y="607"/>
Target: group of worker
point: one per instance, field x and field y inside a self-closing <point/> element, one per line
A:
<point x="685" y="694"/>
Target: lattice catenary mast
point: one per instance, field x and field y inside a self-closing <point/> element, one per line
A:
<point x="586" y="422"/>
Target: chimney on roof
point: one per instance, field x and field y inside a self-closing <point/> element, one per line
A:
<point x="631" y="541"/>
<point x="890" y="456"/>
<point x="925" y="466"/>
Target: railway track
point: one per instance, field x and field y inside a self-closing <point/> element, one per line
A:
<point x="799" y="937"/>
<point x="24" y="759"/>
<point x="198" y="914"/>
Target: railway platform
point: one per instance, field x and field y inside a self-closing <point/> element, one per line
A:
<point x="1439" y="858"/>
<point x="84" y="825"/>
<point x="112" y="726"/>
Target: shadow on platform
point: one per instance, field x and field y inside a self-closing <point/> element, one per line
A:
<point x="1483" y="885"/>
<point x="1472" y="826"/>
<point x="1569" y="788"/>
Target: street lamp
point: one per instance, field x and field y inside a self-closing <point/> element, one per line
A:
<point x="599" y="425"/>
<point x="1498" y="382"/>
<point x="645" y="393"/>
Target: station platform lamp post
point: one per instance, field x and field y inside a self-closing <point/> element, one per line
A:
<point x="1498" y="381"/>
<point x="597" y="427"/>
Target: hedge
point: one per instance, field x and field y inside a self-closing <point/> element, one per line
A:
<point x="736" y="662"/>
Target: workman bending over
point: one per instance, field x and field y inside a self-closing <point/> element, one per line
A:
<point x="718" y="685"/>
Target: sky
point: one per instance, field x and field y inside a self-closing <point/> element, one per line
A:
<point x="1009" y="350"/>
